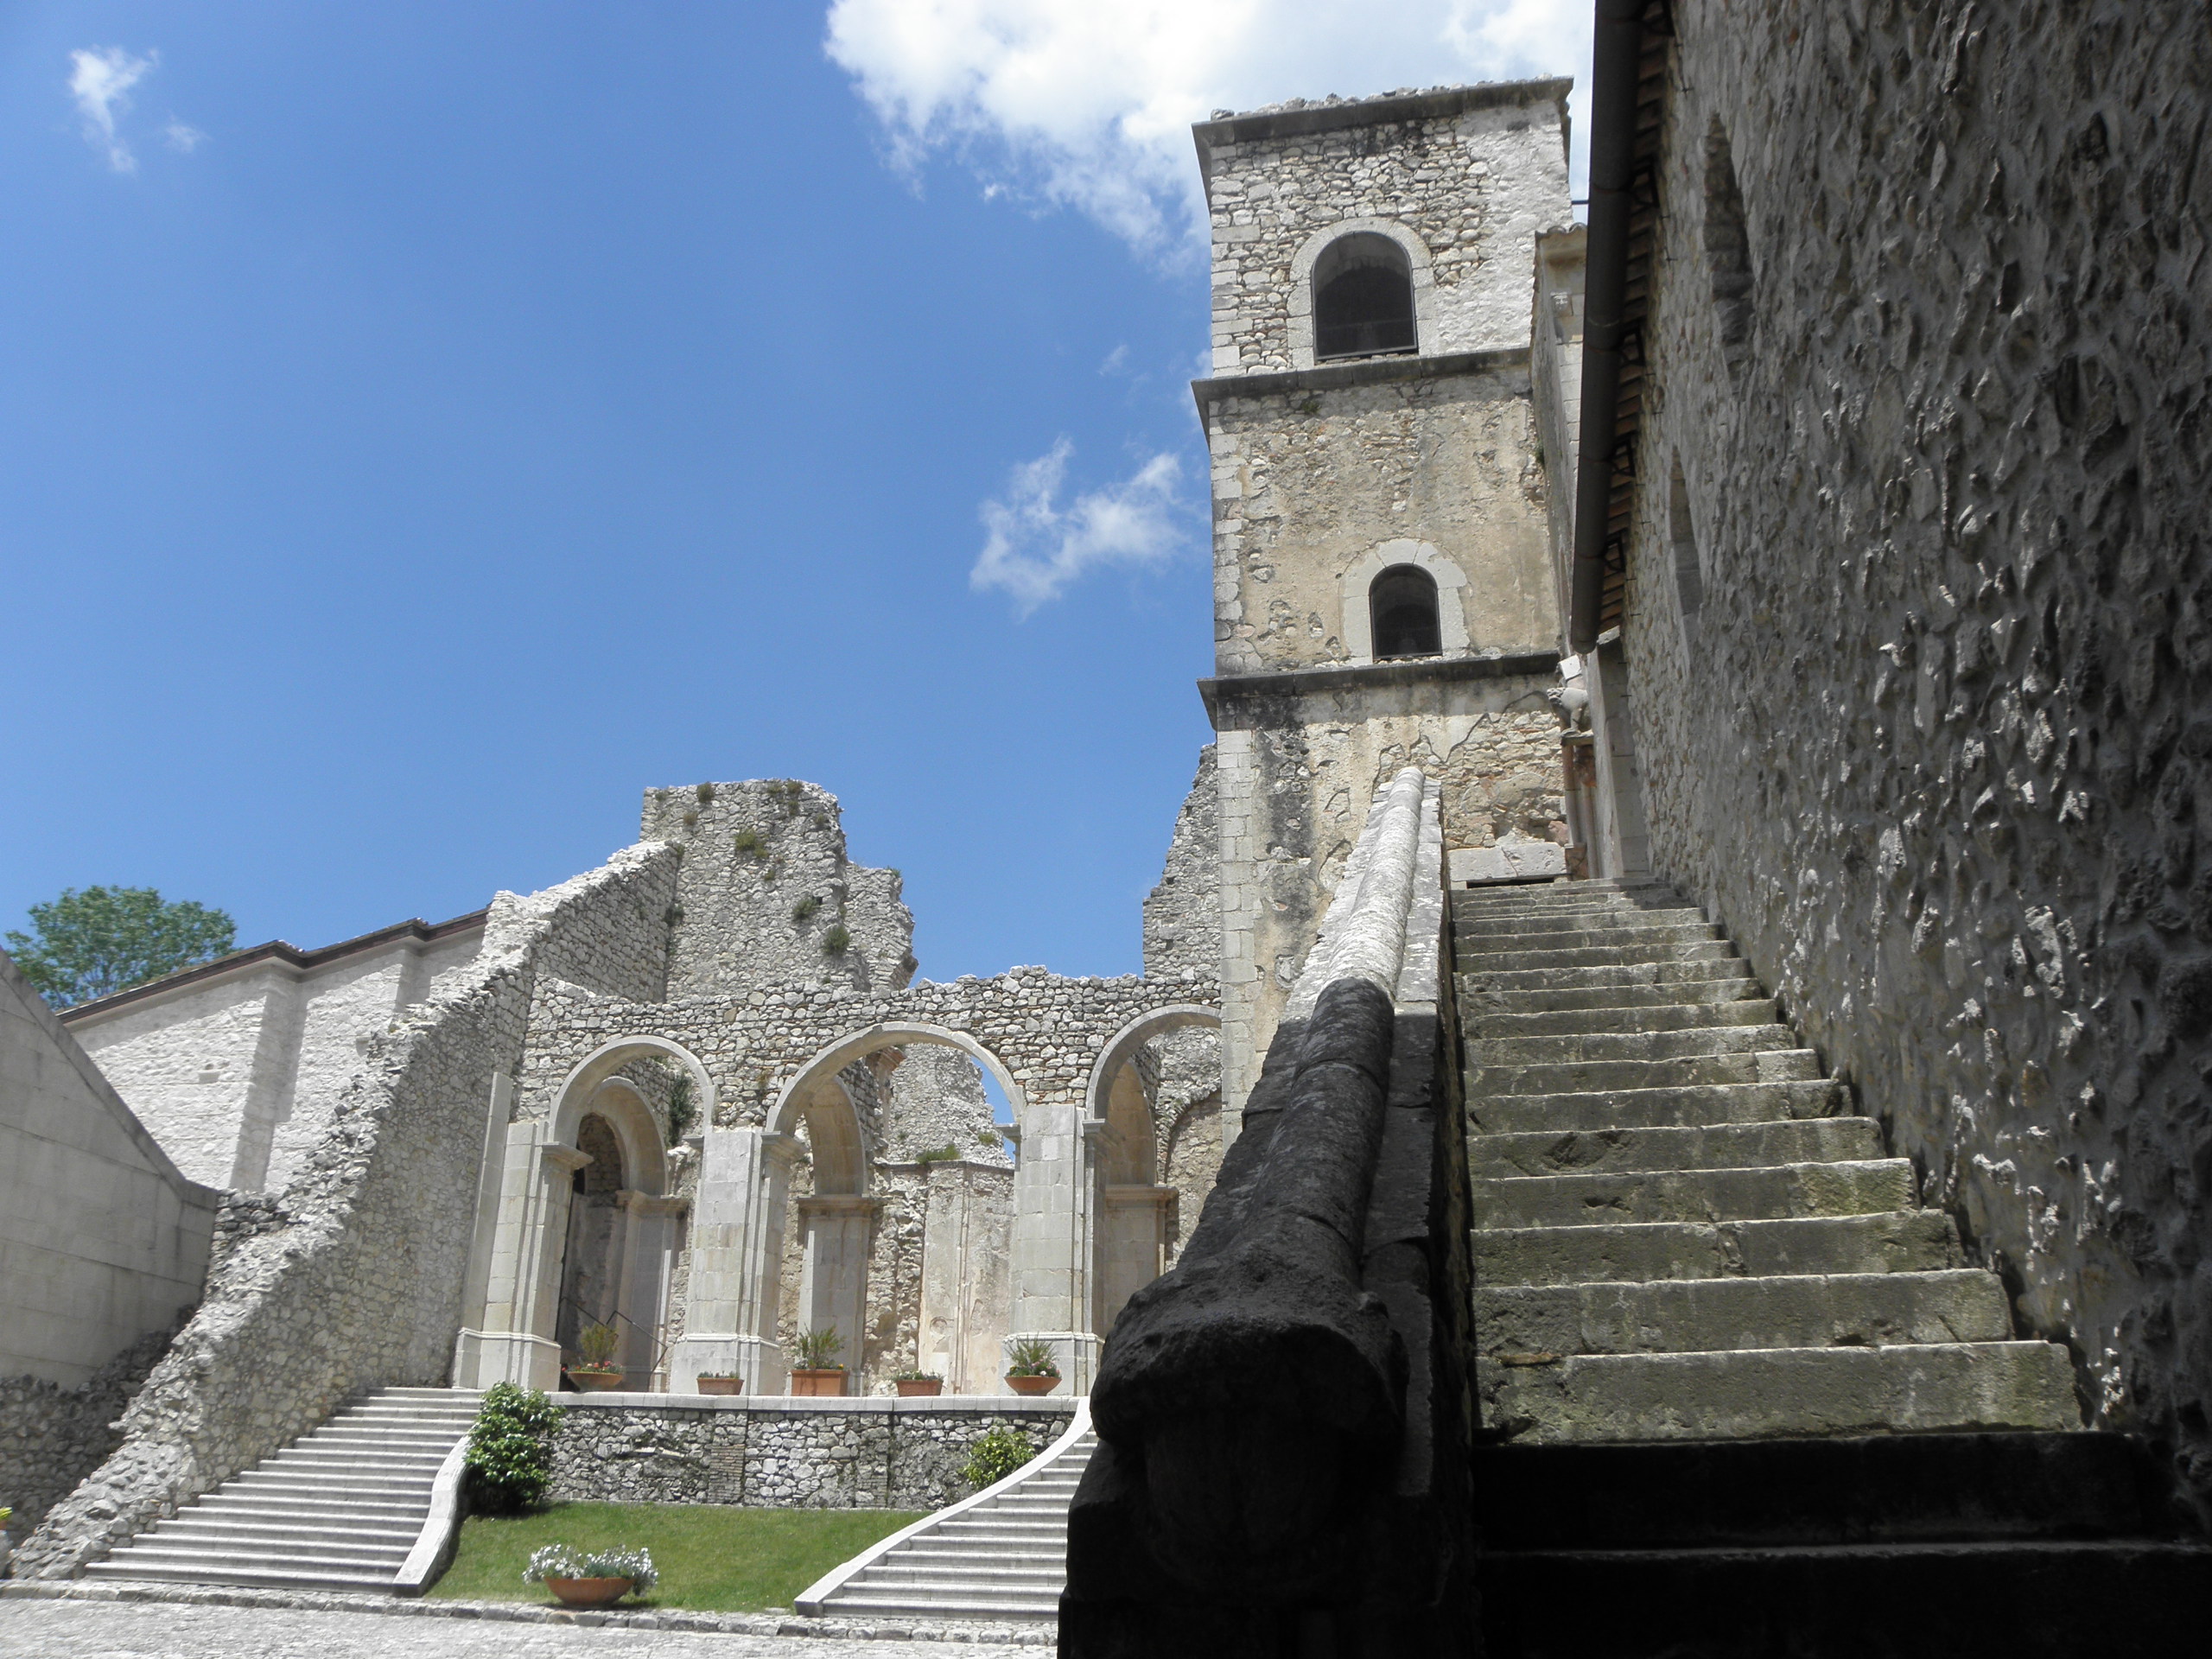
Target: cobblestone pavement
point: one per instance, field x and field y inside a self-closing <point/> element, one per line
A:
<point x="95" y="1629"/>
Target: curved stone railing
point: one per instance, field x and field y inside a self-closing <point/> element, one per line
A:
<point x="1282" y="1420"/>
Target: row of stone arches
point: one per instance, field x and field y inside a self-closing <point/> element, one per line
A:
<point x="780" y="1228"/>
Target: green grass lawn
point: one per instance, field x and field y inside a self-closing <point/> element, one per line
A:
<point x="712" y="1558"/>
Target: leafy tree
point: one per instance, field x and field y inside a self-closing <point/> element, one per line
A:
<point x="102" y="940"/>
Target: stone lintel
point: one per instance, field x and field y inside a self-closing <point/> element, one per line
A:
<point x="1362" y="371"/>
<point x="1241" y="702"/>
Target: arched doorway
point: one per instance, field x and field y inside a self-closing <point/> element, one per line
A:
<point x="1132" y="1122"/>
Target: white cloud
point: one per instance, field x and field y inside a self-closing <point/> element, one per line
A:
<point x="100" y="80"/>
<point x="182" y="138"/>
<point x="1088" y="104"/>
<point x="1035" y="548"/>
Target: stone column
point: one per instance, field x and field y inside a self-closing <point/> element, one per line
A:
<point x="737" y="1231"/>
<point x="1052" y="1210"/>
<point x="515" y="1343"/>
<point x="649" y="1228"/>
<point x="1138" y="1223"/>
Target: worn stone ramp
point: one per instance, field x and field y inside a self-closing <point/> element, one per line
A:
<point x="1741" y="1394"/>
<point x="341" y="1508"/>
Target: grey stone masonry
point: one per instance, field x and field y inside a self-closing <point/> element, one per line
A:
<point x="859" y="1454"/>
<point x="1678" y="1232"/>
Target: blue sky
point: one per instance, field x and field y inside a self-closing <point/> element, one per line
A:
<point x="425" y="426"/>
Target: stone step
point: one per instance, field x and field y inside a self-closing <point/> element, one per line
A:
<point x="215" y="1529"/>
<point x="250" y="1577"/>
<point x="1478" y="1000"/>
<point x="1782" y="1391"/>
<point x="1590" y="1076"/>
<point x="1774" y="1192"/>
<point x="353" y="1458"/>
<point x="1487" y="1025"/>
<point x="1694" y="1042"/>
<point x="304" y="1509"/>
<point x="1705" y="1315"/>
<point x="318" y="1558"/>
<point x="954" y="1603"/>
<point x="1555" y="983"/>
<point x="1048" y="1576"/>
<point x="1472" y="938"/>
<point x="1920" y="1488"/>
<point x="1714" y="1146"/>
<point x="1680" y="1106"/>
<point x="2040" y="1599"/>
<point x="1538" y="959"/>
<point x="1908" y="1240"/>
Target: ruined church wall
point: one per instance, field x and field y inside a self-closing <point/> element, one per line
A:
<point x="350" y="1278"/>
<point x="1934" y="746"/>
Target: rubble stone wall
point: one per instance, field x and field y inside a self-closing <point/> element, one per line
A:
<point x="350" y="1278"/>
<point x="1934" y="746"/>
<point x="51" y="1436"/>
<point x="855" y="1455"/>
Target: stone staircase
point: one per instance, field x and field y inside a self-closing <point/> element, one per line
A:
<point x="338" y="1509"/>
<point x="1002" y="1556"/>
<point x="1740" y="1393"/>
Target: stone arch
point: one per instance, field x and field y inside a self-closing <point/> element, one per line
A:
<point x="1419" y="264"/>
<point x="836" y="1221"/>
<point x="633" y="1120"/>
<point x="1354" y="586"/>
<point x="1133" y="1214"/>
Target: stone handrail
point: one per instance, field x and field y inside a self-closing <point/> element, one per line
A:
<point x="1282" y="1420"/>
<point x="441" y="1535"/>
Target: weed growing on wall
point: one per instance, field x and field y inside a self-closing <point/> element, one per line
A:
<point x="804" y="910"/>
<point x="836" y="941"/>
<point x="510" y="1459"/>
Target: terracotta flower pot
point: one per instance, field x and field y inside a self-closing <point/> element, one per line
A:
<point x="1032" y="1385"/>
<point x="920" y="1387"/>
<point x="721" y="1385"/>
<point x="589" y="1592"/>
<point x="595" y="1382"/>
<point x="818" y="1385"/>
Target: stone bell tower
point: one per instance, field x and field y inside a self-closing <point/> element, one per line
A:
<point x="1382" y="588"/>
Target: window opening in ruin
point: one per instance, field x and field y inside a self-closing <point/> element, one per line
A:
<point x="1727" y="249"/>
<point x="1362" y="299"/>
<point x="1401" y="611"/>
<point x="1689" y="573"/>
<point x="588" y="1293"/>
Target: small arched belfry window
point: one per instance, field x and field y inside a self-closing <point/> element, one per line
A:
<point x="1401" y="610"/>
<point x="1363" y="298"/>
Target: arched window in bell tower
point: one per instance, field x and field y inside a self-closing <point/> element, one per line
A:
<point x="1401" y="610"/>
<point x="1362" y="299"/>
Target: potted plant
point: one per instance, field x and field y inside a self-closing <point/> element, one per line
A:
<point x="7" y="1549"/>
<point x="819" y="1374"/>
<point x="592" y="1580"/>
<point x="918" y="1385"/>
<point x="721" y="1382"/>
<point x="1031" y="1368"/>
<point x="597" y="1343"/>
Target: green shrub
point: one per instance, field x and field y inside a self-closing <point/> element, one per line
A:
<point x="682" y="1109"/>
<point x="805" y="908"/>
<point x="509" y="1462"/>
<point x="937" y="1155"/>
<point x="833" y="942"/>
<point x="994" y="1455"/>
<point x="749" y="844"/>
<point x="598" y="1342"/>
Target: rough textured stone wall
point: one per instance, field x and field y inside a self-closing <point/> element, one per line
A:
<point x="52" y="1436"/>
<point x="1299" y="772"/>
<point x="1312" y="487"/>
<point x="857" y="1456"/>
<point x="1934" y="744"/>
<point x="1475" y="185"/>
<point x="764" y="882"/>
<point x="937" y="1101"/>
<point x="185" y="1067"/>
<point x="1182" y="915"/>
<point x="350" y="1278"/>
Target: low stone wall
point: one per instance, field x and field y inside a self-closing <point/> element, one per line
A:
<point x="782" y="1453"/>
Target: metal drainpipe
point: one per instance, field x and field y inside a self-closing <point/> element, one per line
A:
<point x="1619" y="53"/>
